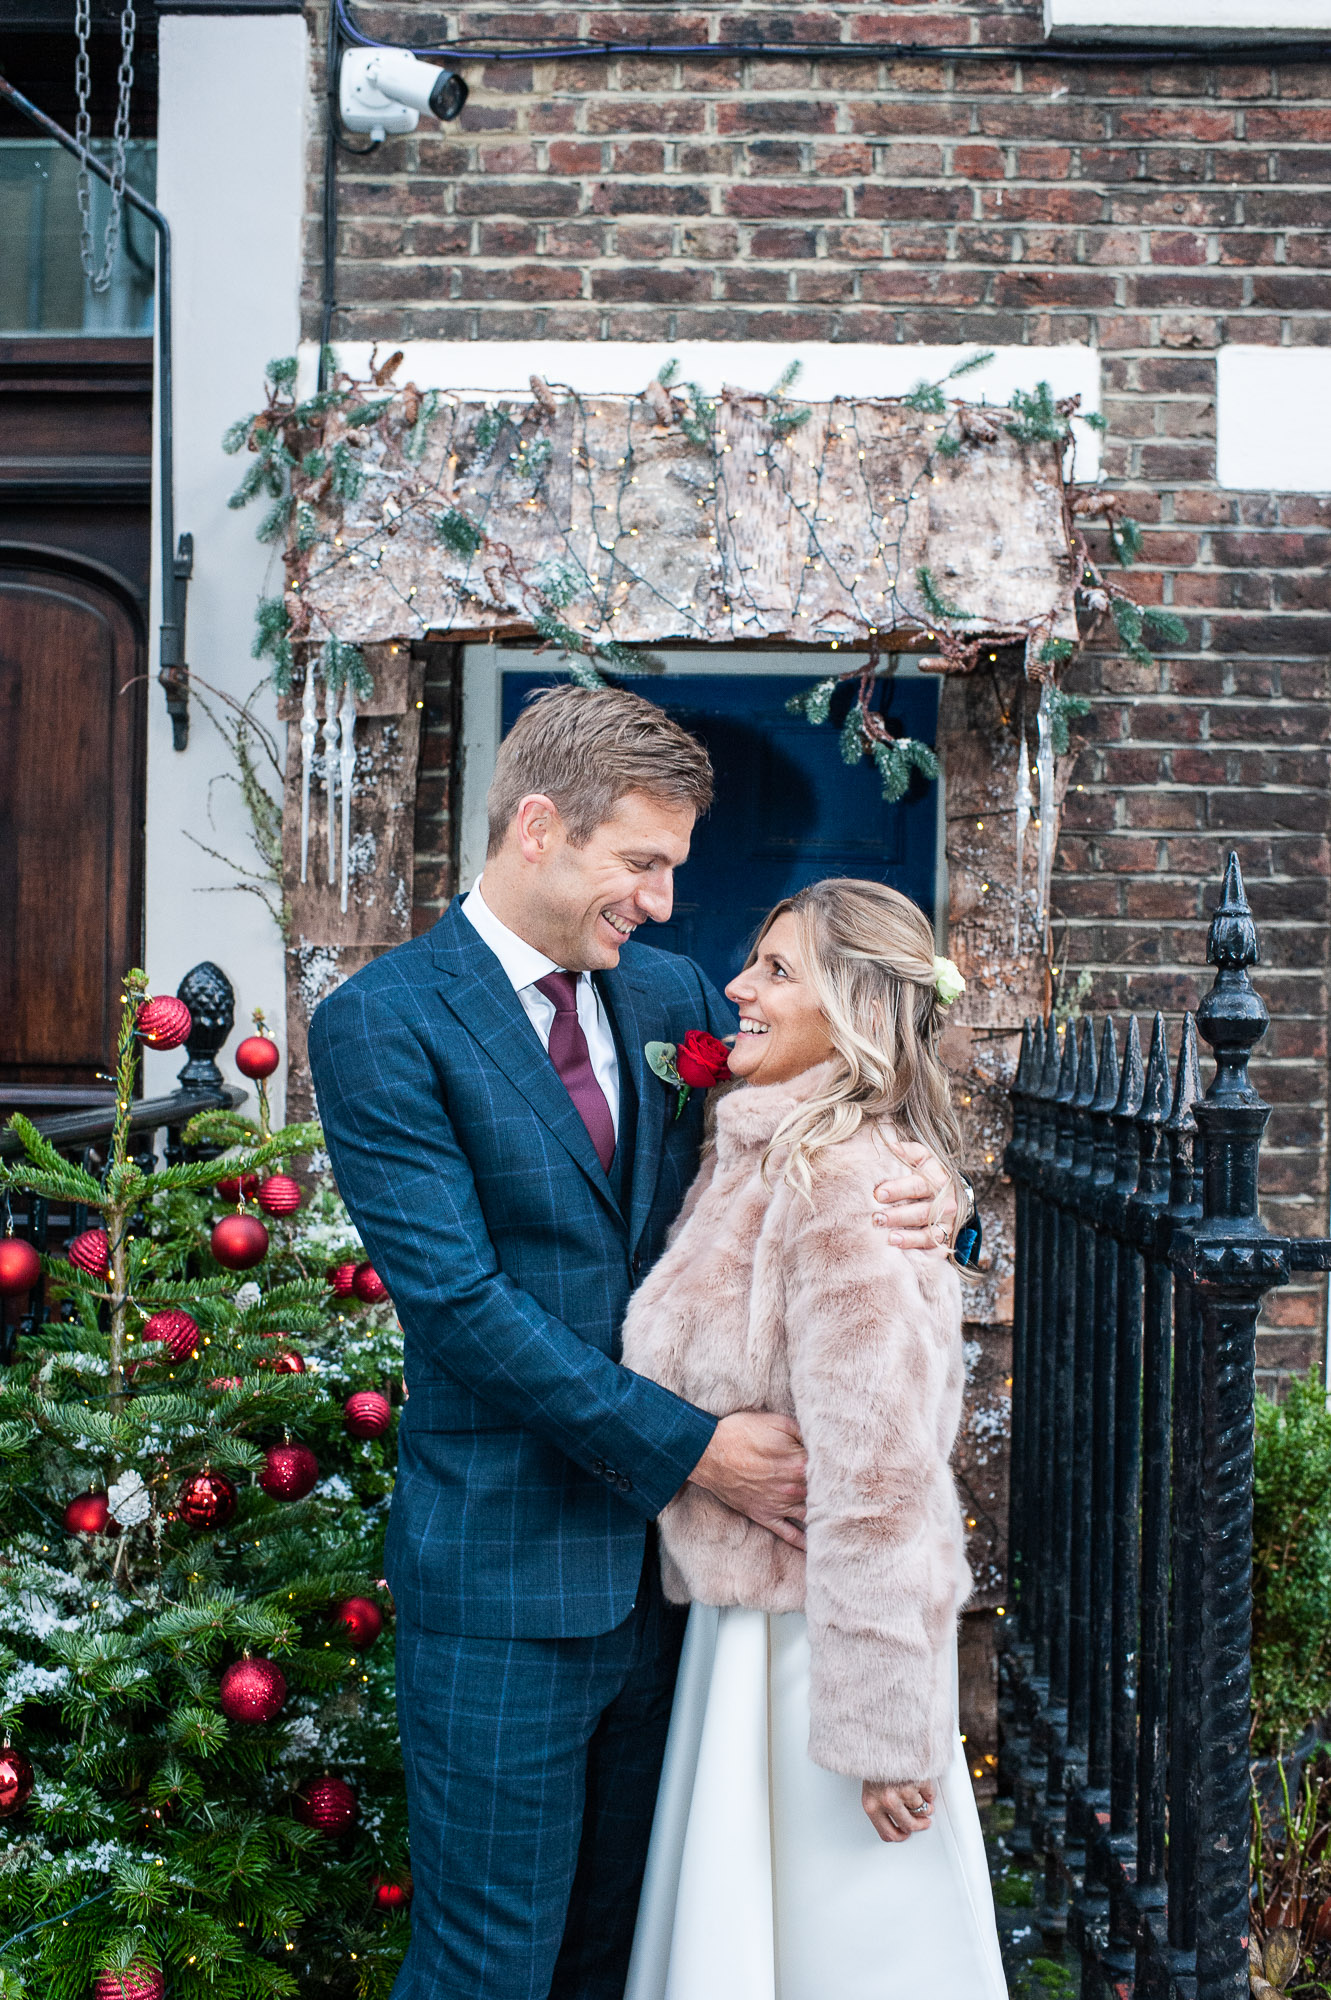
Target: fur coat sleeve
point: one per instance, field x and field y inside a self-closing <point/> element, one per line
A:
<point x="873" y="1336"/>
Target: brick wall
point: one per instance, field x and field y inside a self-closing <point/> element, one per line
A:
<point x="1155" y="212"/>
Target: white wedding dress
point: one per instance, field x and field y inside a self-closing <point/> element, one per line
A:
<point x="765" y="1880"/>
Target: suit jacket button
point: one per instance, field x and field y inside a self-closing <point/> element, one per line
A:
<point x="637" y="1261"/>
<point x="598" y="1467"/>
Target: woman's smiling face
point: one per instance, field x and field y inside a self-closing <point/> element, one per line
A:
<point x="782" y="1029"/>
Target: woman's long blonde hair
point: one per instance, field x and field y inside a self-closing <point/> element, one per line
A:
<point x="869" y="959"/>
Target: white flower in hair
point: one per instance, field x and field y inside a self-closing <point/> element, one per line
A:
<point x="948" y="982"/>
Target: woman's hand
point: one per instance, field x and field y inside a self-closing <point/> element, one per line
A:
<point x="898" y="1811"/>
<point x="918" y="1207"/>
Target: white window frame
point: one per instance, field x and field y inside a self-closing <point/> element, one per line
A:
<point x="1186" y="20"/>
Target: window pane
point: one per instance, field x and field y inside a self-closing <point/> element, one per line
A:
<point x="42" y="286"/>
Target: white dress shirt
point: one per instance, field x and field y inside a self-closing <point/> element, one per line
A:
<point x="523" y="966"/>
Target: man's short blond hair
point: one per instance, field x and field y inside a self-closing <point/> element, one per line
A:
<point x="586" y="748"/>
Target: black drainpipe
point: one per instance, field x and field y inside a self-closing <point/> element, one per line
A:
<point x="177" y="561"/>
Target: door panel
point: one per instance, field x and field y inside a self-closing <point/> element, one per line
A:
<point x="788" y="810"/>
<point x="71" y="815"/>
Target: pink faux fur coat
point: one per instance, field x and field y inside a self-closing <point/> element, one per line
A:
<point x="761" y="1302"/>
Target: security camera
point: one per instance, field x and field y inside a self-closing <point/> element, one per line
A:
<point x="385" y="90"/>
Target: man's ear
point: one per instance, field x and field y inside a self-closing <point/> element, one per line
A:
<point x="537" y="826"/>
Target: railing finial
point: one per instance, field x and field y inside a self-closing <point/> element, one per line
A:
<point x="1133" y="1082"/>
<point x="1106" y="1089"/>
<point x="1232" y="940"/>
<point x="211" y="1000"/>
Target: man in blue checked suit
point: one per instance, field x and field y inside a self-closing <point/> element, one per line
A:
<point x="513" y="1167"/>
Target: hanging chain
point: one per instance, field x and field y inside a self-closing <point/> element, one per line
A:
<point x="100" y="280"/>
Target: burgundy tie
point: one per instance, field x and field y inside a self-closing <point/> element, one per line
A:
<point x="572" y="1059"/>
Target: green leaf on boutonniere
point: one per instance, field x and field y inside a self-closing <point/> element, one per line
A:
<point x="661" y="1062"/>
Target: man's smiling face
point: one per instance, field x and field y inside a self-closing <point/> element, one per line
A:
<point x="588" y="900"/>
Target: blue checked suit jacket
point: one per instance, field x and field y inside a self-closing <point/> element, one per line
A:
<point x="530" y="1460"/>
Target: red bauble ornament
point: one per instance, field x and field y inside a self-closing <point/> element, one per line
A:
<point x="239" y="1242"/>
<point x="289" y="1471"/>
<point x="252" y="1690"/>
<point x="238" y="1187"/>
<point x="20" y="1266"/>
<point x="257" y="1056"/>
<point x="89" y="1514"/>
<point x="288" y="1362"/>
<point x="163" y="1023"/>
<point x="363" y="1619"/>
<point x="390" y="1895"/>
<point x="368" y="1285"/>
<point x="176" y="1329"/>
<point x="141" y="1982"/>
<point x="341" y="1277"/>
<point x="279" y="1195"/>
<point x="328" y="1804"/>
<point x="224" y="1382"/>
<point x="367" y="1414"/>
<point x="90" y="1251"/>
<point x="207" y="1500"/>
<point x="16" y="1781"/>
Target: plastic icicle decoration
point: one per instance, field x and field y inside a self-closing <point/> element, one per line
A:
<point x="346" y="767"/>
<point x="330" y="774"/>
<point x="1044" y="766"/>
<point x="1024" y="802"/>
<point x="309" y="729"/>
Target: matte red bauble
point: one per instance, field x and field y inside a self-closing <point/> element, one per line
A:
<point x="163" y="1023"/>
<point x="208" y="1500"/>
<point x="368" y="1285"/>
<point x="16" y="1781"/>
<point x="389" y="1895"/>
<point x="20" y="1266"/>
<point x="89" y="1514"/>
<point x="141" y="1982"/>
<point x="289" y="1471"/>
<point x="252" y="1691"/>
<point x="367" y="1414"/>
<point x="179" y="1332"/>
<point x="341" y="1277"/>
<point x="279" y="1195"/>
<point x="257" y="1056"/>
<point x="90" y="1251"/>
<point x="328" y="1804"/>
<point x="237" y="1187"/>
<point x="288" y="1362"/>
<point x="363" y="1619"/>
<point x="239" y="1241"/>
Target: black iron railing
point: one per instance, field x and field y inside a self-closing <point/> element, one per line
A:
<point x="1140" y="1268"/>
<point x="83" y="1135"/>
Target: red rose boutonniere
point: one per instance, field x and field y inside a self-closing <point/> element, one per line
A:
<point x="696" y="1063"/>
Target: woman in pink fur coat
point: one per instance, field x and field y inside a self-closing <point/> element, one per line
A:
<point x="816" y="1836"/>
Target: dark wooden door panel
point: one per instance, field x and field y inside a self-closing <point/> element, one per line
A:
<point x="71" y="815"/>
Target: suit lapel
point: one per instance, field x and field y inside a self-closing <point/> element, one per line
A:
<point x="476" y="990"/>
<point x="628" y="1003"/>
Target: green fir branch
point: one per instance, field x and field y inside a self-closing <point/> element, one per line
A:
<point x="940" y="608"/>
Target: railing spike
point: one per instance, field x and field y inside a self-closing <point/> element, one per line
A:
<point x="1133" y="1082"/>
<point x="1021" y="1080"/>
<point x="1053" y="1063"/>
<point x="1232" y="940"/>
<point x="1106" y="1089"/>
<point x="1036" y="1069"/>
<point x="1085" y="1087"/>
<point x="1187" y="1080"/>
<point x="1067" y="1074"/>
<point x="1155" y="1090"/>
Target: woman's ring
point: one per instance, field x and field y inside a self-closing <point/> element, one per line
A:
<point x="939" y="1232"/>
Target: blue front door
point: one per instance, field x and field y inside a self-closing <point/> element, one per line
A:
<point x="788" y="810"/>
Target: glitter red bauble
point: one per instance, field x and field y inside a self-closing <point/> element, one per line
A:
<point x="366" y="1414"/>
<point x="208" y="1500"/>
<point x="368" y="1285"/>
<point x="238" y="1186"/>
<point x="289" y="1471"/>
<point x="141" y="1982"/>
<point x="328" y="1804"/>
<point x="252" y="1691"/>
<point x="341" y="1277"/>
<point x="288" y="1362"/>
<point x="239" y="1242"/>
<point x="20" y="1266"/>
<point x="257" y="1056"/>
<point x="89" y="1514"/>
<point x="163" y="1023"/>
<point x="279" y="1195"/>
<point x="364" y="1620"/>
<point x="389" y="1895"/>
<point x="176" y="1329"/>
<point x="90" y="1251"/>
<point x="16" y="1781"/>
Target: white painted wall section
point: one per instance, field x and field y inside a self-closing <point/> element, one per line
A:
<point x="230" y="180"/>
<point x="1273" y="419"/>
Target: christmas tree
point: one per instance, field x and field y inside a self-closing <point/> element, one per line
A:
<point x="200" y="1790"/>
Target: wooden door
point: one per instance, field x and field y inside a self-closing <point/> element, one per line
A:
<point x="72" y="657"/>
